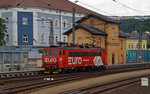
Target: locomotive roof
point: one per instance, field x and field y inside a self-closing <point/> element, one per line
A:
<point x="77" y="48"/>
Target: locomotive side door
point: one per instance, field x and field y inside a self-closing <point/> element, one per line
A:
<point x="64" y="59"/>
<point x="61" y="59"/>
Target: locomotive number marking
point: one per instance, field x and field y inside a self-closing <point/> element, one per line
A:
<point x="74" y="60"/>
<point x="50" y="60"/>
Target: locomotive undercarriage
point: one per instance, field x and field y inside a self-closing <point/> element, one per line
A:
<point x="73" y="69"/>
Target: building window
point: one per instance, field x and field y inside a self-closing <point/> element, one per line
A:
<point x="7" y="20"/>
<point x="121" y="58"/>
<point x="65" y="24"/>
<point x="70" y="24"/>
<point x="25" y="21"/>
<point x="129" y="46"/>
<point x="99" y="42"/>
<point x="137" y="46"/>
<point x="121" y="45"/>
<point x="56" y="38"/>
<point x="64" y="39"/>
<point x="56" y="23"/>
<point x="143" y="46"/>
<point x="42" y="21"/>
<point x="49" y="39"/>
<point x="132" y="46"/>
<point x="7" y="38"/>
<point x="113" y="35"/>
<point x="43" y="38"/>
<point x="25" y="38"/>
<point x="50" y="22"/>
<point x="92" y="23"/>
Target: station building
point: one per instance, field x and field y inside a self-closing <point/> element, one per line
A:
<point x="102" y="32"/>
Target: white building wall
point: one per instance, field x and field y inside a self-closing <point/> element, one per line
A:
<point x="35" y="11"/>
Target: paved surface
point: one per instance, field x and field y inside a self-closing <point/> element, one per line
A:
<point x="131" y="89"/>
<point x="90" y="81"/>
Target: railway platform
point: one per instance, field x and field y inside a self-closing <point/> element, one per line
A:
<point x="128" y="65"/>
<point x="29" y="71"/>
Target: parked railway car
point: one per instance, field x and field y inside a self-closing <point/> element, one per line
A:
<point x="59" y="59"/>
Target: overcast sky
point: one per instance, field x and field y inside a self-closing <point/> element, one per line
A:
<point x="115" y="9"/>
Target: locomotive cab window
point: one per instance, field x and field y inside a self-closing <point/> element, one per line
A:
<point x="46" y="52"/>
<point x="60" y="52"/>
<point x="54" y="52"/>
<point x="63" y="52"/>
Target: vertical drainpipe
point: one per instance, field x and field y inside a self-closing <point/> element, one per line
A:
<point x="60" y="25"/>
<point x="105" y="41"/>
<point x="105" y="36"/>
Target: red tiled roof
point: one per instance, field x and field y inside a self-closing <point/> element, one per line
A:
<point x="52" y="4"/>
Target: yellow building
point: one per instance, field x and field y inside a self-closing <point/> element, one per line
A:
<point x="102" y="32"/>
<point x="135" y="52"/>
<point x="132" y="42"/>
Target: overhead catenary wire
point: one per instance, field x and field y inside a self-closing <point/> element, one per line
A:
<point x="62" y="23"/>
<point x="138" y="11"/>
<point x="96" y="8"/>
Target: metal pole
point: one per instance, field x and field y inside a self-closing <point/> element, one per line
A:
<point x="51" y="34"/>
<point x="11" y="61"/>
<point x="140" y="42"/>
<point x="73" y="25"/>
<point x="60" y="26"/>
<point x="147" y="38"/>
<point x="35" y="49"/>
<point x="3" y="62"/>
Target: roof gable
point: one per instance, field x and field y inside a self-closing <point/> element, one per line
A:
<point x="90" y="29"/>
<point x="101" y="17"/>
<point x="122" y="34"/>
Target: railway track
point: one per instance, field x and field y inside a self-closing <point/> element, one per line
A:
<point x="39" y="84"/>
<point x="107" y="87"/>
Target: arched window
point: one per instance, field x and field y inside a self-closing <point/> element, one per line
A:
<point x="7" y="20"/>
<point x="99" y="42"/>
<point x="50" y="22"/>
<point x="113" y="58"/>
<point x="56" y="38"/>
<point x="56" y="23"/>
<point x="65" y="24"/>
<point x="7" y="37"/>
<point x="113" y="34"/>
<point x="42" y="21"/>
<point x="64" y="39"/>
<point x="42" y="38"/>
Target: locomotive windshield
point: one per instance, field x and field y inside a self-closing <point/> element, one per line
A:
<point x="50" y="52"/>
<point x="46" y="52"/>
<point x="54" y="52"/>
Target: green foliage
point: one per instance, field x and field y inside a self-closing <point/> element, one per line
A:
<point x="2" y="32"/>
<point x="129" y="25"/>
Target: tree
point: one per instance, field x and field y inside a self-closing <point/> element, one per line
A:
<point x="2" y="32"/>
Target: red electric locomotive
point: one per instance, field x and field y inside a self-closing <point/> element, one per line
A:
<point x="58" y="59"/>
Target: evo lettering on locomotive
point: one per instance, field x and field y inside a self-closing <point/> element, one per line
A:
<point x="50" y="60"/>
<point x="74" y="60"/>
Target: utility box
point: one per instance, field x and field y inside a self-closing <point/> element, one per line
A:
<point x="144" y="81"/>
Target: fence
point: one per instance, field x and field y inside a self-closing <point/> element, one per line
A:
<point x="19" y="57"/>
<point x="133" y="56"/>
